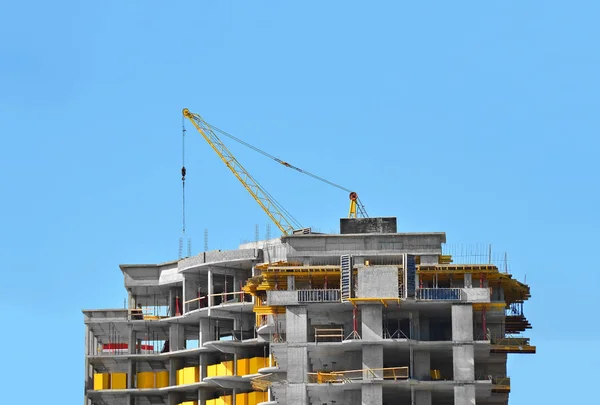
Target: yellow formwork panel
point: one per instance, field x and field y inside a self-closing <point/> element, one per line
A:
<point x="228" y="367"/>
<point x="118" y="381"/>
<point x="225" y="368"/>
<point x="243" y="366"/>
<point x="179" y="377"/>
<point x="241" y="399"/>
<point x="225" y="400"/>
<point x="191" y="403"/>
<point x="145" y="379"/>
<point x="257" y="363"/>
<point x="211" y="402"/>
<point x="212" y="370"/>
<point x="435" y="375"/>
<point x="256" y="397"/>
<point x="101" y="381"/>
<point x="162" y="379"/>
<point x="191" y="375"/>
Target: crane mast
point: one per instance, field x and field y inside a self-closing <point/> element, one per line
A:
<point x="262" y="197"/>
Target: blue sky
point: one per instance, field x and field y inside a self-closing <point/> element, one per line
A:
<point x="474" y="118"/>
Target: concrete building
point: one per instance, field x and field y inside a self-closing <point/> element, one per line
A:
<point x="365" y="317"/>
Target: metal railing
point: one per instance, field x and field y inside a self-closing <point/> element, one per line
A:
<point x="389" y="373"/>
<point x="440" y="294"/>
<point x="329" y="295"/>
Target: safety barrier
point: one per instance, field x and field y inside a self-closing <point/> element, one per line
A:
<point x="388" y="373"/>
<point x="326" y="295"/>
<point x="440" y="294"/>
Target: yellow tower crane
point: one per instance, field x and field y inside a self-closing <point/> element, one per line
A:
<point x="279" y="215"/>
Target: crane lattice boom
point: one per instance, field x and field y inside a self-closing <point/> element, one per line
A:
<point x="277" y="214"/>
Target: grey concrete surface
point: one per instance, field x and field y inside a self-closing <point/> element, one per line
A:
<point x="297" y="324"/>
<point x="377" y="281"/>
<point x="371" y="316"/>
<point x="368" y="225"/>
<point x="462" y="323"/>
<point x="372" y="394"/>
<point x="464" y="395"/>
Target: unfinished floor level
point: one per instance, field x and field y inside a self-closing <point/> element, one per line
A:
<point x="369" y="316"/>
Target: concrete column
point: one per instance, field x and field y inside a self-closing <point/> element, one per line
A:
<point x="296" y="394"/>
<point x="422" y="397"/>
<point x="174" y="398"/>
<point x="175" y="364"/>
<point x="131" y="372"/>
<point x="203" y="362"/>
<point x="172" y="296"/>
<point x="236" y="287"/>
<point x="299" y="358"/>
<point x="176" y="337"/>
<point x="464" y="394"/>
<point x="468" y="280"/>
<point x="291" y="283"/>
<point x="415" y="325"/>
<point x="372" y="358"/>
<point x="463" y="354"/>
<point x="464" y="363"/>
<point x="206" y="332"/>
<point x="88" y="376"/>
<point x="296" y="324"/>
<point x="210" y="290"/>
<point x="352" y="397"/>
<point x="182" y="306"/>
<point x="424" y="328"/>
<point x="132" y="349"/>
<point x="422" y="365"/>
<point x="372" y="394"/>
<point x="371" y="316"/>
<point x="462" y="323"/>
<point x="131" y="343"/>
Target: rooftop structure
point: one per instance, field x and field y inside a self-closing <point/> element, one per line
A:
<point x="369" y="316"/>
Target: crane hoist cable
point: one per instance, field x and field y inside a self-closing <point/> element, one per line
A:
<point x="352" y="194"/>
<point x="183" y="172"/>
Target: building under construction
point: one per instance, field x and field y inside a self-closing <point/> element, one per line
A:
<point x="368" y="316"/>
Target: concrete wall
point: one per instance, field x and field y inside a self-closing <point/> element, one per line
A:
<point x="377" y="281"/>
<point x="343" y="361"/>
<point x="422" y="397"/>
<point x="476" y="294"/>
<point x="421" y="365"/>
<point x="352" y="398"/>
<point x="282" y="297"/>
<point x="326" y="318"/>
